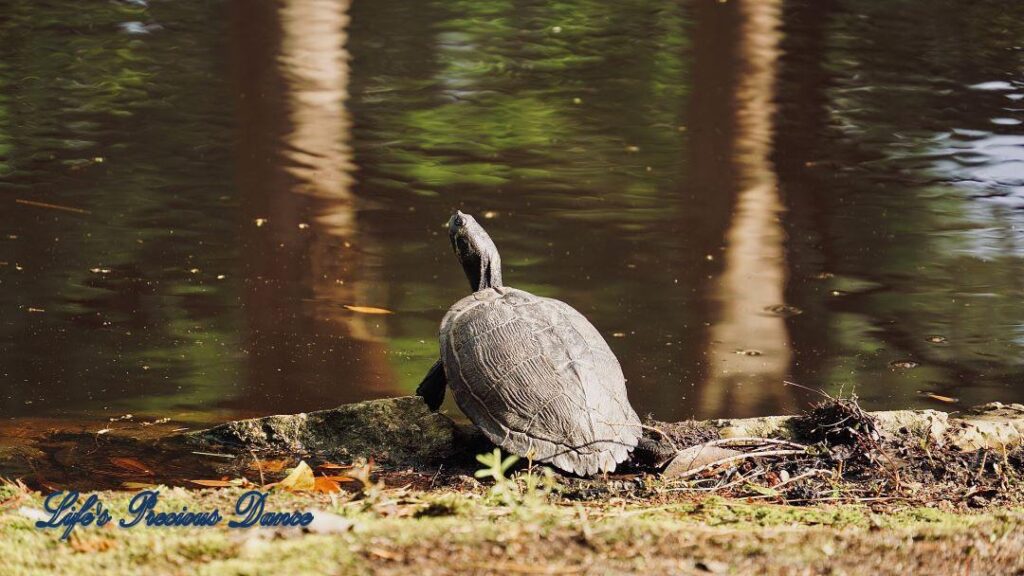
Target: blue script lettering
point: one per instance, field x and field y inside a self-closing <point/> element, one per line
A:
<point x="251" y="506"/>
<point x="142" y="508"/>
<point x="92" y="511"/>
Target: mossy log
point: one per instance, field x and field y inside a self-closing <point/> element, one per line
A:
<point x="399" y="431"/>
<point x="994" y="425"/>
<point x="403" y="431"/>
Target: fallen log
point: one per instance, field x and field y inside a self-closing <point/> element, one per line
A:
<point x="404" y="431"/>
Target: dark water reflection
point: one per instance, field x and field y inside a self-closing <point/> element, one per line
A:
<point x="735" y="193"/>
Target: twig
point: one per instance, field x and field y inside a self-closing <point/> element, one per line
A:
<point x="259" y="466"/>
<point x="215" y="455"/>
<point x="809" y="389"/>
<point x="716" y="488"/>
<point x="815" y="472"/>
<point x="501" y="567"/>
<point x="661" y="433"/>
<point x="737" y="458"/>
<point x="436" y="474"/>
<point x="51" y="206"/>
<point x="842" y="499"/>
<point x="748" y="440"/>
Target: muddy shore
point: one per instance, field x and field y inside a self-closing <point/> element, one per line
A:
<point x="397" y="488"/>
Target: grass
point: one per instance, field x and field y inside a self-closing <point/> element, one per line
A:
<point x="403" y="531"/>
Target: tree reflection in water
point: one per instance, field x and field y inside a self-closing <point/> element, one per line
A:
<point x="748" y="353"/>
<point x="296" y="169"/>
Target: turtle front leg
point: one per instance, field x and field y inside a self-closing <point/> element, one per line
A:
<point x="431" y="389"/>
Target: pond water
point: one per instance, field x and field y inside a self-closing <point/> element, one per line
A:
<point x="737" y="194"/>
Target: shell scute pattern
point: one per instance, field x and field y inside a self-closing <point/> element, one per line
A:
<point x="534" y="374"/>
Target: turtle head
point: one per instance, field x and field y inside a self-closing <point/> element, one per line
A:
<point x="475" y="251"/>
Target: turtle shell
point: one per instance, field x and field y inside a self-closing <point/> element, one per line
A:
<point x="538" y="379"/>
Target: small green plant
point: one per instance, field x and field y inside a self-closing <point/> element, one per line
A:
<point x="538" y="486"/>
<point x="495" y="467"/>
<point x="530" y="488"/>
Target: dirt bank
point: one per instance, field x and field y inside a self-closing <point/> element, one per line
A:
<point x="392" y="488"/>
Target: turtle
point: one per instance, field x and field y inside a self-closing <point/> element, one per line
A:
<point x="530" y="372"/>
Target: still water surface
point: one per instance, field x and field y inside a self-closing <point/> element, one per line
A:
<point x="736" y="194"/>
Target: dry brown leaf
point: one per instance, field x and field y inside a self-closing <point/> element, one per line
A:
<point x="213" y="483"/>
<point x="341" y="478"/>
<point x="300" y="478"/>
<point x="268" y="465"/>
<point x="368" y="310"/>
<point x="325" y="485"/>
<point x="132" y="465"/>
<point x="332" y="466"/>
<point x="696" y="457"/>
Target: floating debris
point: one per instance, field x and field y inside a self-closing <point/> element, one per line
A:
<point x="51" y="206"/>
<point x="903" y="364"/>
<point x="749" y="352"/>
<point x="784" y="310"/>
<point x="138" y="28"/>
<point x="260" y="222"/>
<point x="940" y="397"/>
<point x="937" y="339"/>
<point x="368" y="310"/>
<point x="157" y="421"/>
